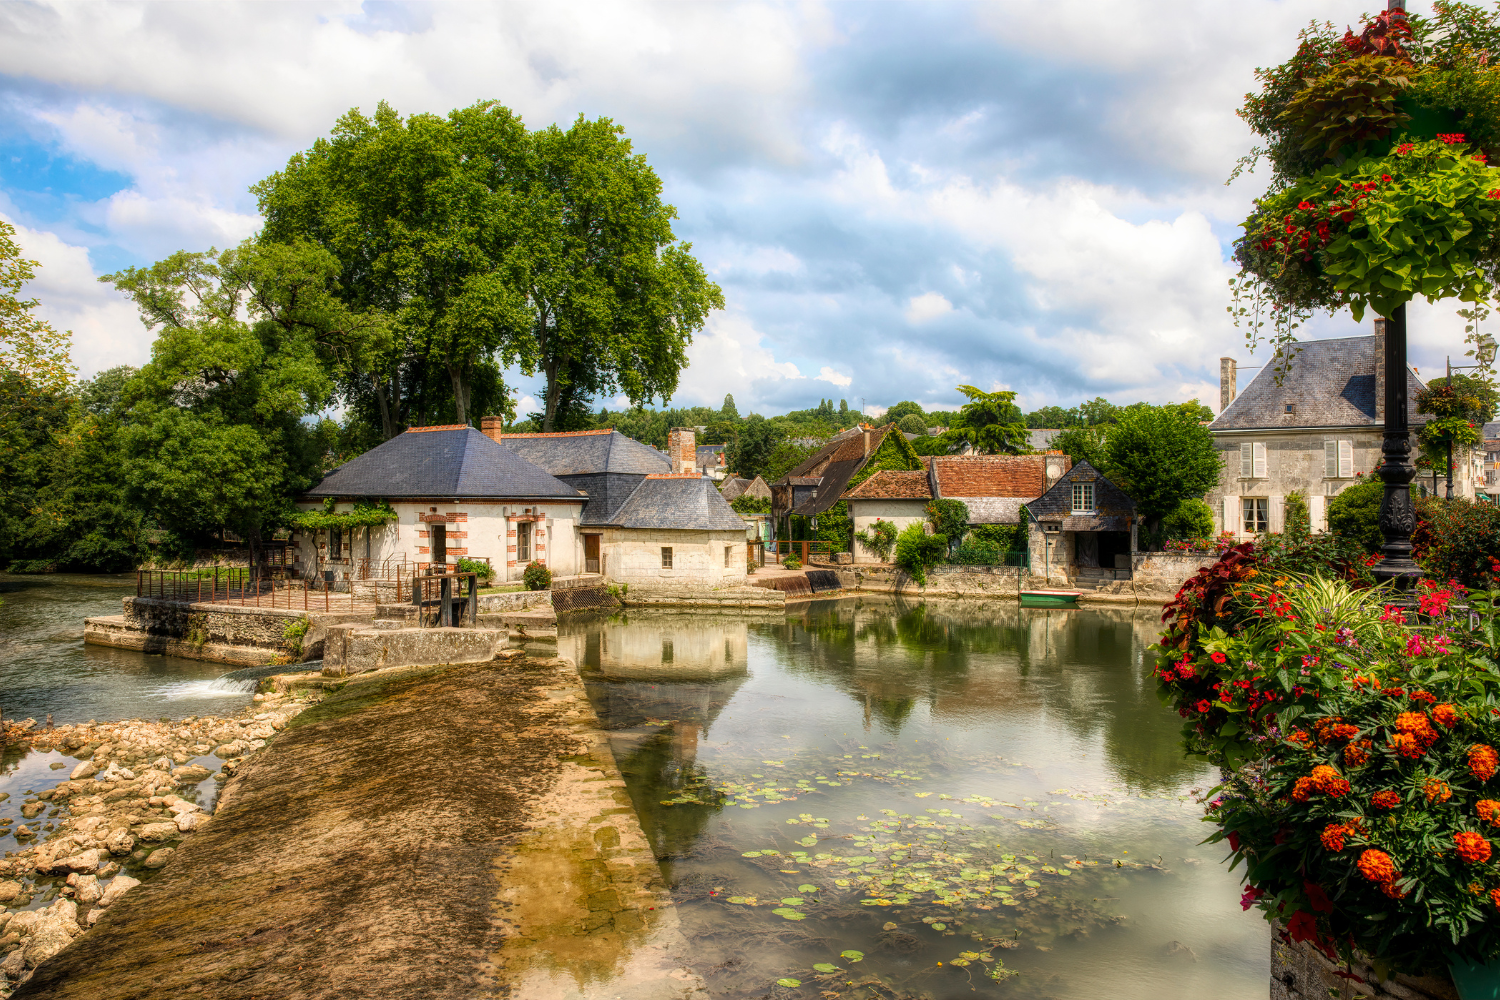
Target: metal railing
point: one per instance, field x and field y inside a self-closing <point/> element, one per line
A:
<point x="803" y="550"/>
<point x="244" y="588"/>
<point x="444" y="592"/>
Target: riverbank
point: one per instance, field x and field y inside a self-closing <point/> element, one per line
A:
<point x="341" y="863"/>
<point x="135" y="792"/>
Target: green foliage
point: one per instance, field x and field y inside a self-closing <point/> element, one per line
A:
<point x="294" y="633"/>
<point x="729" y="411"/>
<point x="479" y="566"/>
<point x="750" y="453"/>
<point x="30" y="349"/>
<point x="536" y="576"/>
<point x="1161" y="456"/>
<point x="950" y="518"/>
<point x="1459" y="540"/>
<point x="973" y="551"/>
<point x="363" y="515"/>
<point x="990" y="423"/>
<point x="1460" y="405"/>
<point x="912" y="424"/>
<point x="1007" y="537"/>
<point x="746" y="504"/>
<point x="916" y="551"/>
<point x="1192" y="518"/>
<point x="894" y="452"/>
<point x="1355" y="514"/>
<point x="902" y="410"/>
<point x="1298" y="520"/>
<point x="878" y="539"/>
<point x="791" y="562"/>
<point x="1083" y="444"/>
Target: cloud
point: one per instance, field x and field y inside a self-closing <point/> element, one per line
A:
<point x="829" y="375"/>
<point x="929" y="306"/>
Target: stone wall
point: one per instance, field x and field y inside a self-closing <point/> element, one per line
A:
<point x="518" y="600"/>
<point x="350" y="649"/>
<point x="1300" y="972"/>
<point x="726" y="598"/>
<point x="634" y="556"/>
<point x="1167" y="570"/>
<point x="213" y="629"/>
<point x="864" y="514"/>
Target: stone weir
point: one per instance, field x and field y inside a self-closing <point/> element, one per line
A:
<point x="446" y="832"/>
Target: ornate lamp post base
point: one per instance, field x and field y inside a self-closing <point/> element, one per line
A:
<point x="1398" y="516"/>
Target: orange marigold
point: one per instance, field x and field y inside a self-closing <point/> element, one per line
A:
<point x="1299" y="737"/>
<point x="1357" y="754"/>
<point x="1483" y="761"/>
<point x="1392" y="890"/>
<point x="1333" y="836"/>
<point x="1302" y="789"/>
<point x="1436" y="790"/>
<point x="1415" y="724"/>
<point x="1376" y="866"/>
<point x="1489" y="811"/>
<point x="1407" y="746"/>
<point x="1446" y="715"/>
<point x="1495" y="898"/>
<point x="1386" y="799"/>
<point x="1472" y="846"/>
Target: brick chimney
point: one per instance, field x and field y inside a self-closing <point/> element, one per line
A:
<point x="867" y="439"/>
<point x="492" y="427"/>
<point x="1380" y="371"/>
<point x="1229" y="382"/>
<point x="682" y="449"/>
<point x="1057" y="466"/>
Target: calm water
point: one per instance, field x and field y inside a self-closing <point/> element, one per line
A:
<point x="896" y="794"/>
<point x="45" y="667"/>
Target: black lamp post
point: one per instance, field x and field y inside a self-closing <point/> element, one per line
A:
<point x="1398" y="517"/>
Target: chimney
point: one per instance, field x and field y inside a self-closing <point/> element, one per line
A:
<point x="492" y="427"/>
<point x="867" y="441"/>
<point x="682" y="449"/>
<point x="1229" y="383"/>
<point x="1057" y="466"/>
<point x="1380" y="371"/>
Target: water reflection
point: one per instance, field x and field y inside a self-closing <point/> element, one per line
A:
<point x="859" y="747"/>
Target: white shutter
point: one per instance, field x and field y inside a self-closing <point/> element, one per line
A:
<point x="1346" y="459"/>
<point x="1246" y="467"/>
<point x="1316" y="513"/>
<point x="1276" y="514"/>
<point x="1232" y="514"/>
<point x="1330" y="459"/>
<point x="1259" y="453"/>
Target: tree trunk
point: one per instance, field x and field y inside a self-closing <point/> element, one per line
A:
<point x="460" y="394"/>
<point x="387" y="418"/>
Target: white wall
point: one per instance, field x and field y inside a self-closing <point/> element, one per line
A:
<point x="865" y="513"/>
<point x="633" y="556"/>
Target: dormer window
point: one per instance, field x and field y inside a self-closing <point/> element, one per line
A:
<point x="1083" y="498"/>
<point x="1290" y="409"/>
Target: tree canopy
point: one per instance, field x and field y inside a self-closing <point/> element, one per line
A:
<point x="990" y="423"/>
<point x="1160" y="456"/>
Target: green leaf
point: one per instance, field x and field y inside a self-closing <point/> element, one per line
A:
<point x="852" y="956"/>
<point x="788" y="981"/>
<point x="825" y="967"/>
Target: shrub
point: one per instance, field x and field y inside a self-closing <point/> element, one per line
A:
<point x="1192" y="519"/>
<point x="916" y="550"/>
<point x="537" y="576"/>
<point x="1009" y="537"/>
<point x="1298" y="518"/>
<point x="791" y="562"/>
<point x="294" y="634"/>
<point x="1459" y="540"/>
<point x="912" y="424"/>
<point x="1355" y="514"/>
<point x="978" y="552"/>
<point x="879" y="539"/>
<point x="950" y="518"/>
<point x="484" y="569"/>
<point x="746" y="504"/>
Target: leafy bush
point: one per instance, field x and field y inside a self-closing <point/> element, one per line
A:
<point x="1298" y="518"/>
<point x="294" y="633"/>
<point x="1009" y="537"/>
<point x="746" y="504"/>
<point x="791" y="562"/>
<point x="916" y="550"/>
<point x="1355" y="514"/>
<point x="879" y="539"/>
<point x="912" y="424"/>
<point x="1459" y="540"/>
<point x="537" y="576"/>
<point x="950" y="518"/>
<point x="1192" y="519"/>
<point x="484" y="569"/>
<point x="978" y="552"/>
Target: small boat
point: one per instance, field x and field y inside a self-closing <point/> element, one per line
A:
<point x="1049" y="598"/>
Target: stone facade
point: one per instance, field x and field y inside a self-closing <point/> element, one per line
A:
<point x="864" y="514"/>
<point x="352" y="649"/>
<point x="216" y="632"/>
<point x="1286" y="461"/>
<point x="703" y="558"/>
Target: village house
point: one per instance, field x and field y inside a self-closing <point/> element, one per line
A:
<point x="820" y="480"/>
<point x="1315" y="433"/>
<point x="734" y="487"/>
<point x="1087" y="528"/>
<point x="890" y="495"/>
<point x="580" y="502"/>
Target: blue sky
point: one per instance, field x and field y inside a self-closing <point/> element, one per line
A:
<point x="896" y="198"/>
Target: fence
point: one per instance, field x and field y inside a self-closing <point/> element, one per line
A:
<point x="444" y="591"/>
<point x="803" y="550"/>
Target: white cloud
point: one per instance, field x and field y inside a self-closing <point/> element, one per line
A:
<point x="927" y="306"/>
<point x="829" y="375"/>
<point x="727" y="357"/>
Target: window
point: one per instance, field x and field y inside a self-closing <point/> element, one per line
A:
<point x="438" y="533"/>
<point x="335" y="543"/>
<point x="523" y="542"/>
<point x="666" y="557"/>
<point x="1338" y="459"/>
<point x="1253" y="460"/>
<point x="1291" y="408"/>
<point x="1083" y="498"/>
<point x="1257" y="513"/>
<point x="728" y="554"/>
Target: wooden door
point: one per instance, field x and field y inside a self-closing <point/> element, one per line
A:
<point x="439" y="547"/>
<point x="591" y="553"/>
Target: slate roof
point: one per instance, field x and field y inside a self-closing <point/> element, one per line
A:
<point x="834" y="465"/>
<point x="1331" y="382"/>
<point x="572" y="452"/>
<point x="890" y="484"/>
<point x="679" y="502"/>
<point x="1113" y="507"/>
<point x="733" y="489"/>
<point x="1041" y="437"/>
<point x="960" y="477"/>
<point x="447" y="461"/>
<point x="994" y="510"/>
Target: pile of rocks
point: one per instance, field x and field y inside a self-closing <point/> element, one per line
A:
<point x="125" y="806"/>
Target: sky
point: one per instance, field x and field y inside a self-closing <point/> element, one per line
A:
<point x="897" y="199"/>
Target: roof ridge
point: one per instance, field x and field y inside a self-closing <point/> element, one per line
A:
<point x="557" y="434"/>
<point x="439" y="427"/>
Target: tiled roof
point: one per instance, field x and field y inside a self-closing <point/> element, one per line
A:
<point x="802" y="480"/>
<point x="573" y="452"/>
<point x="679" y="503"/>
<point x="890" y="484"/>
<point x="1331" y="384"/>
<point x="845" y="446"/>
<point x="1023" y="476"/>
<point x="1041" y="437"/>
<point x="456" y="461"/>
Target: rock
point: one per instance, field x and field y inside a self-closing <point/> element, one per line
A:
<point x="14" y="963"/>
<point x="86" y="888"/>
<point x="94" y="915"/>
<point x="119" y="842"/>
<point x="85" y="770"/>
<point x="183" y="806"/>
<point x="190" y="775"/>
<point x="261" y="731"/>
<point x="32" y="810"/>
<point x="189" y="821"/>
<point x="9" y="891"/>
<point x="117" y="888"/>
<point x="53" y="932"/>
<point x="84" y="861"/>
<point x="162" y="764"/>
<point x="229" y="749"/>
<point x="158" y="831"/>
<point x="109" y="870"/>
<point x="159" y="857"/>
<point x="23" y="831"/>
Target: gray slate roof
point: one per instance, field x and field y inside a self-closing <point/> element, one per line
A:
<point x="1332" y="383"/>
<point x="453" y="462"/>
<point x="678" y="503"/>
<point x="1112" y="507"/>
<point x="587" y="451"/>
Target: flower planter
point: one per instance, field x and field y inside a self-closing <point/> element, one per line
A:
<point x="1476" y="982"/>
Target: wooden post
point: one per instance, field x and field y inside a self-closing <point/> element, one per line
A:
<point x="473" y="601"/>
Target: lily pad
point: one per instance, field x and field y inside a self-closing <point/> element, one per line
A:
<point x="807" y="888"/>
<point x="788" y="982"/>
<point x="852" y="956"/>
<point x="750" y="854"/>
<point x="939" y="926"/>
<point x="825" y="967"/>
<point x="792" y="901"/>
<point x="787" y="913"/>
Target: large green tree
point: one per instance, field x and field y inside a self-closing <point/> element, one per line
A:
<point x="1160" y="456"/>
<point x="991" y="423"/>
<point x="613" y="298"/>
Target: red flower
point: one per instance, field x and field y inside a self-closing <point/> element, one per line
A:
<point x="1218" y="657"/>
<point x="1483" y="761"/>
<point x="1202" y="706"/>
<point x="1302" y="926"/>
<point x="1404" y="148"/>
<point x="1333" y="836"/>
<point x="1234" y="841"/>
<point x="1386" y="799"/>
<point x="1472" y="847"/>
<point x="1305" y="206"/>
<point x="1185" y="671"/>
<point x="1451" y="138"/>
<point x="1318" y="897"/>
<point x="1357" y="754"/>
<point x="1302" y="789"/>
<point x="1495" y="898"/>
<point x="1376" y="866"/>
<point x="1252" y="893"/>
<point x="1385" y="178"/>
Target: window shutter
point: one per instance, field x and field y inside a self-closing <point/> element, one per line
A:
<point x="1231" y="514"/>
<point x="1346" y="459"/>
<point x="1276" y="514"/>
<point x="1330" y="459"/>
<point x="1316" y="515"/>
<point x="1246" y="468"/>
<point x="1259" y="452"/>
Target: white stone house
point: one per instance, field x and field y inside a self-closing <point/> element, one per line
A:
<point x="898" y="497"/>
<point x="1316" y="433"/>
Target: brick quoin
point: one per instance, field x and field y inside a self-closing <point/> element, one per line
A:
<point x="458" y="552"/>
